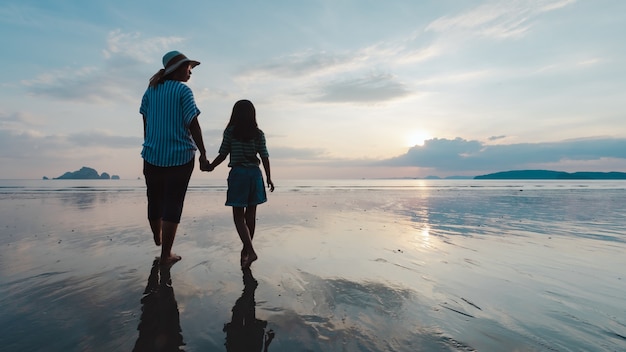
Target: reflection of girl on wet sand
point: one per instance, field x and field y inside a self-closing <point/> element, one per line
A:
<point x="159" y="327"/>
<point x="246" y="333"/>
<point x="243" y="140"/>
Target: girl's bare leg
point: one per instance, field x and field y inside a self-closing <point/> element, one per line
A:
<point x="248" y="253"/>
<point x="251" y="219"/>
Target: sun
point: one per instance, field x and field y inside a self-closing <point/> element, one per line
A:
<point x="417" y="138"/>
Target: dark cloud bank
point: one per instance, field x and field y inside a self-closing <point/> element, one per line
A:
<point x="458" y="155"/>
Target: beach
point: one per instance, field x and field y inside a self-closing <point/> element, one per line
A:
<point x="344" y="265"/>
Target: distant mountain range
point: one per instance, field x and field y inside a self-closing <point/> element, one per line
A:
<point x="552" y="175"/>
<point x="85" y="173"/>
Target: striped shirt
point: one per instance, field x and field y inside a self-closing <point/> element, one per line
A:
<point x="168" y="109"/>
<point x="243" y="153"/>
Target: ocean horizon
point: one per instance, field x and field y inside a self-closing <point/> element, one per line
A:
<point x="16" y="185"/>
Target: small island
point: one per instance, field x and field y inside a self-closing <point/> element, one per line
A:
<point x="85" y="173"/>
<point x="552" y="175"/>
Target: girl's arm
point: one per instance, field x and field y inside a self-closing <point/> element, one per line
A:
<point x="218" y="160"/>
<point x="268" y="173"/>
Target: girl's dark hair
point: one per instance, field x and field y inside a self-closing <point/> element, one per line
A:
<point x="243" y="121"/>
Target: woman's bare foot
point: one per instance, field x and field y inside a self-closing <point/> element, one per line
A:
<point x="173" y="258"/>
<point x="245" y="263"/>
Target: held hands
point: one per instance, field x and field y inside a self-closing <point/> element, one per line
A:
<point x="205" y="165"/>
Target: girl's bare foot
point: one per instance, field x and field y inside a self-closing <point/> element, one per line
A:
<point x="244" y="257"/>
<point x="248" y="260"/>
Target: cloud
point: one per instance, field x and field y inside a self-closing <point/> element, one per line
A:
<point x="345" y="76"/>
<point x="495" y="138"/>
<point x="32" y="144"/>
<point x="85" y="85"/>
<point x="338" y="77"/>
<point x="498" y="19"/>
<point x="462" y="155"/>
<point x="24" y="15"/>
<point x="133" y="48"/>
<point x="407" y="56"/>
<point x="369" y="89"/>
<point x="117" y="78"/>
<point x="289" y="153"/>
<point x="311" y="63"/>
<point x="460" y="77"/>
<point x="298" y="65"/>
<point x="16" y="120"/>
<point x="20" y="145"/>
<point x="103" y="139"/>
<point x="323" y="64"/>
<point x="342" y="76"/>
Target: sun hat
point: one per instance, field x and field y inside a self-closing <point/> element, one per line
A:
<point x="173" y="60"/>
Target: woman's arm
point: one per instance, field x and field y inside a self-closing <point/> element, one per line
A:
<point x="196" y="134"/>
<point x="144" y="127"/>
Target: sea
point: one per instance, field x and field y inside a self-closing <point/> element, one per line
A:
<point x="320" y="185"/>
<point x="344" y="265"/>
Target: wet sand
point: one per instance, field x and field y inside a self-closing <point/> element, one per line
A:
<point x="340" y="270"/>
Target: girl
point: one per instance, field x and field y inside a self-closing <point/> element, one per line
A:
<point x="243" y="140"/>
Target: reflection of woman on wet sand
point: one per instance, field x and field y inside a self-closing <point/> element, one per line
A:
<point x="246" y="333"/>
<point x="159" y="327"/>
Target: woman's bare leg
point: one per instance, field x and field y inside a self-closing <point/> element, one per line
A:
<point x="169" y="233"/>
<point x="155" y="226"/>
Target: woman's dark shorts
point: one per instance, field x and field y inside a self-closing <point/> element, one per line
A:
<point x="166" y="189"/>
<point x="245" y="187"/>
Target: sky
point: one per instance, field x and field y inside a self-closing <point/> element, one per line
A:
<point x="342" y="88"/>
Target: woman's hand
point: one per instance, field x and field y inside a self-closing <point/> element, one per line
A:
<point x="205" y="165"/>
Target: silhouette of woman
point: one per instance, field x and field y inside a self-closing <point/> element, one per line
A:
<point x="159" y="326"/>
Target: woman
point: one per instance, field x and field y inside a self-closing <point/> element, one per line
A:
<point x="243" y="140"/>
<point x="172" y="135"/>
